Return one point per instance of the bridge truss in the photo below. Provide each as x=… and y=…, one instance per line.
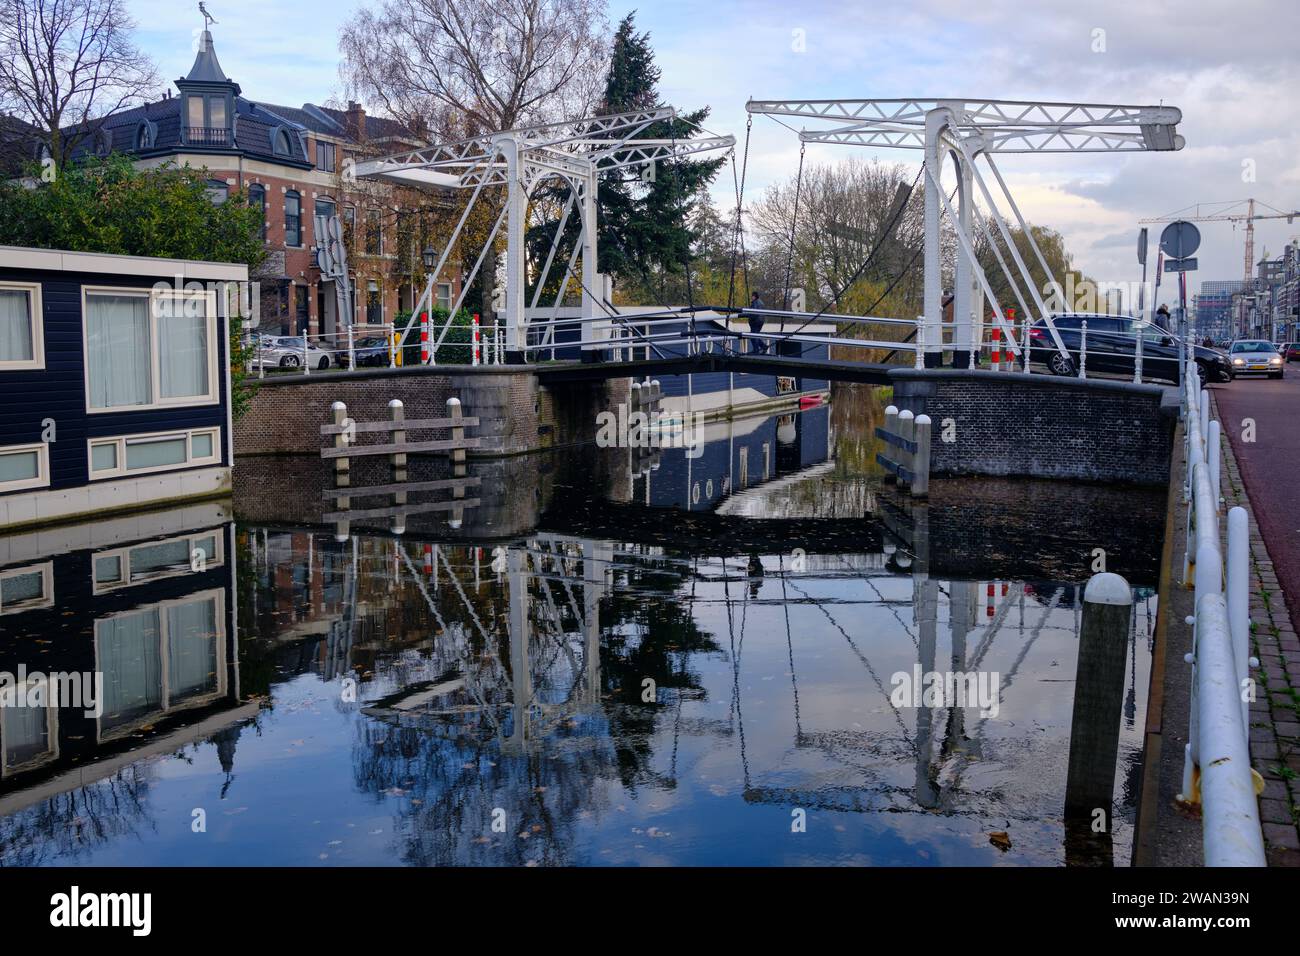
x=966, y=130
x=576, y=152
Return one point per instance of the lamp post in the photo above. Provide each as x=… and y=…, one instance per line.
x=430, y=258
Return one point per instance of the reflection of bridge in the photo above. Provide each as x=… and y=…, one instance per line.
x=527, y=637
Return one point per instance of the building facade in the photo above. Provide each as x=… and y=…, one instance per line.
x=294, y=163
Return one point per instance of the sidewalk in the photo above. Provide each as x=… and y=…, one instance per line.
x=1275, y=714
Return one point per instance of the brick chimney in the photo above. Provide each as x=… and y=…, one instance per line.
x=356, y=114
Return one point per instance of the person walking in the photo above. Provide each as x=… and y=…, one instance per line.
x=756, y=322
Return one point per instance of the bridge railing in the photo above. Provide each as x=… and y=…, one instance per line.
x=1216, y=770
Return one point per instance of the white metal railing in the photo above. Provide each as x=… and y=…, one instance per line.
x=1216, y=769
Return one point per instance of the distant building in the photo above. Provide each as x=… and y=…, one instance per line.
x=1213, y=307
x=293, y=163
x=1270, y=308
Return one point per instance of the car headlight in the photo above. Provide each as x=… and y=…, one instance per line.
x=1238, y=361
x=1276, y=360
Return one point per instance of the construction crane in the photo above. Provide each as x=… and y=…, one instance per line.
x=1229, y=212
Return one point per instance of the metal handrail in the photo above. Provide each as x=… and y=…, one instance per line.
x=1216, y=769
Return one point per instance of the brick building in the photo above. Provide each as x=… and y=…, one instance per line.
x=294, y=164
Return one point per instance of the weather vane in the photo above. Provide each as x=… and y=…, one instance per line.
x=208, y=19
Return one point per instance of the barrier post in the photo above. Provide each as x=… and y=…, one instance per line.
x=921, y=462
x=1083, y=349
x=424, y=338
x=1137, y=351
x=397, y=413
x=920, y=341
x=906, y=431
x=457, y=432
x=475, y=348
x=342, y=467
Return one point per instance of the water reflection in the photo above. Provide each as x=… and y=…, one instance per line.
x=683, y=681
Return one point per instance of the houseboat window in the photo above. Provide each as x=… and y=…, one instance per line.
x=26, y=588
x=108, y=569
x=124, y=454
x=183, y=349
x=142, y=356
x=20, y=332
x=103, y=457
x=24, y=466
x=155, y=452
x=191, y=650
x=201, y=445
x=119, y=349
x=292, y=219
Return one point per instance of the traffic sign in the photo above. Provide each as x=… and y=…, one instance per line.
x=1142, y=247
x=1180, y=239
x=1180, y=265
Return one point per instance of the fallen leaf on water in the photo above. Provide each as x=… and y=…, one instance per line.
x=1001, y=840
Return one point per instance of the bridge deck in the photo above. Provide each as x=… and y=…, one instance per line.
x=550, y=373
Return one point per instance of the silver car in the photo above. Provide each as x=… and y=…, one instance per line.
x=285, y=351
x=1255, y=357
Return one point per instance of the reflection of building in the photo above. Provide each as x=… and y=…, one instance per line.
x=114, y=382
x=143, y=604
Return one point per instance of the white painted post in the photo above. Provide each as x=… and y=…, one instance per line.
x=920, y=342
x=352, y=348
x=891, y=428
x=1083, y=349
x=1238, y=600
x=1024, y=354
x=457, y=435
x=342, y=467
x=921, y=464
x=305, y=363
x=1214, y=456
x=1137, y=351
x=392, y=350
x=906, y=431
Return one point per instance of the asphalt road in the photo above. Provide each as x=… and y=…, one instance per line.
x=1270, y=466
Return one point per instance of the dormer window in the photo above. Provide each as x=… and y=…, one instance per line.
x=103, y=143
x=283, y=145
x=144, y=136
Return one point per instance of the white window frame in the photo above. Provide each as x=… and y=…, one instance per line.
x=46, y=599
x=221, y=637
x=37, y=361
x=42, y=479
x=121, y=441
x=183, y=297
x=216, y=560
x=51, y=753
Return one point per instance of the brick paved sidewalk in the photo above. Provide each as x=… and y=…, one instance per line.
x=1275, y=714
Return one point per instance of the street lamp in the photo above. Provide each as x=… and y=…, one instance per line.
x=430, y=257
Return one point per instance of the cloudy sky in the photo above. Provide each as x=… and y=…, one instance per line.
x=1232, y=68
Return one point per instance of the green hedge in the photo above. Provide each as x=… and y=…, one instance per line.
x=455, y=348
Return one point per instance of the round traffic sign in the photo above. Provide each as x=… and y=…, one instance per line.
x=1180, y=239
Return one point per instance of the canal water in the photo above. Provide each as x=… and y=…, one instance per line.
x=707, y=655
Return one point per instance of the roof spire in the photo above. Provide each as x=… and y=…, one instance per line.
x=206, y=68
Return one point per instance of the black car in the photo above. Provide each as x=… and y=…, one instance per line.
x=1112, y=347
x=370, y=351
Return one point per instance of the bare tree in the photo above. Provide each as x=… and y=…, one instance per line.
x=65, y=63
x=464, y=67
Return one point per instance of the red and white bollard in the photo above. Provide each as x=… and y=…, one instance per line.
x=996, y=358
x=424, y=338
x=478, y=342
x=428, y=559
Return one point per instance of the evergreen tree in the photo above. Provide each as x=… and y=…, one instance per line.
x=645, y=233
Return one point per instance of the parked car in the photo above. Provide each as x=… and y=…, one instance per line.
x=285, y=351
x=1291, y=351
x=372, y=350
x=1256, y=357
x=1112, y=347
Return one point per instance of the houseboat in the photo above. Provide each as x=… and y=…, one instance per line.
x=114, y=382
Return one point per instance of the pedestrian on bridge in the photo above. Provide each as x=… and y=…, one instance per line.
x=756, y=322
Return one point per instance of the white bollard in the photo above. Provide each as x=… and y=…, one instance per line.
x=1238, y=598
x=1214, y=457
x=906, y=431
x=921, y=463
